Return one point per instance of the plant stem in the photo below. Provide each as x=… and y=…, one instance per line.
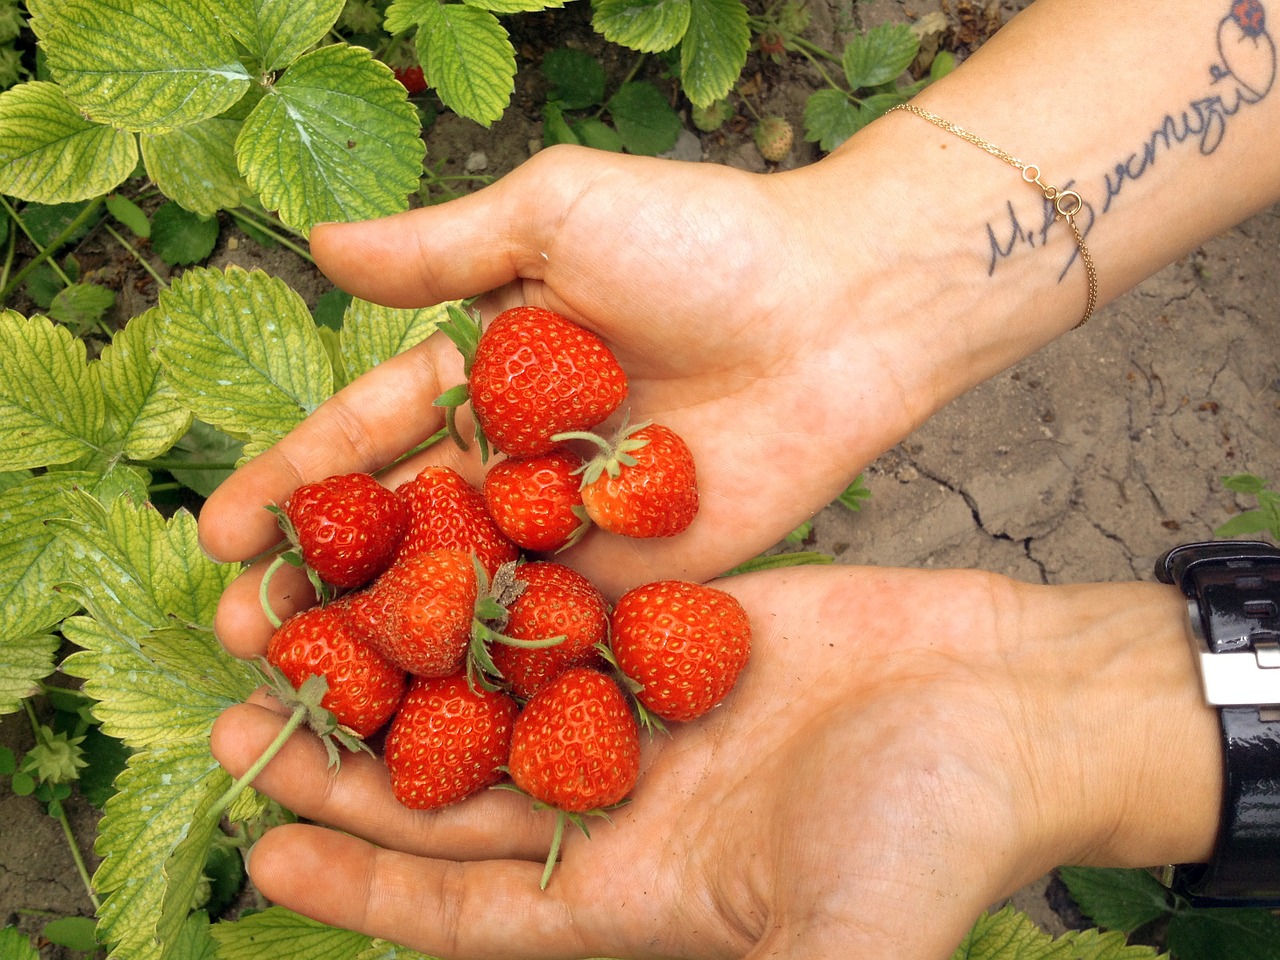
x=295, y=720
x=45, y=253
x=133, y=252
x=256, y=219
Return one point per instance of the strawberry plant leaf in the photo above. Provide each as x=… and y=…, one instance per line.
x=277, y=932
x=143, y=66
x=831, y=118
x=129, y=214
x=713, y=50
x=16, y=945
x=24, y=662
x=51, y=405
x=879, y=55
x=81, y=305
x=334, y=139
x=1114, y=898
x=405, y=15
x=161, y=792
x=468, y=59
x=195, y=165
x=277, y=32
x=648, y=26
x=203, y=444
x=74, y=933
x=1225, y=934
x=49, y=153
x=645, y=121
x=180, y=237
x=595, y=133
x=515, y=6
x=1011, y=935
x=242, y=352
x=371, y=333
x=577, y=78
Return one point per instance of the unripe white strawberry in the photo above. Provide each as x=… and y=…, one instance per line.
x=712, y=118
x=773, y=136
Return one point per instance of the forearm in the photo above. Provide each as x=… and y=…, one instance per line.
x=1163, y=117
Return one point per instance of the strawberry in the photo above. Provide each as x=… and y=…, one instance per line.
x=553, y=601
x=447, y=512
x=447, y=741
x=532, y=374
x=684, y=643
x=535, y=500
x=643, y=484
x=346, y=528
x=364, y=688
x=575, y=748
x=411, y=78
x=774, y=136
x=419, y=613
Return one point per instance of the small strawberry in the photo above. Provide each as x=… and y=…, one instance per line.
x=448, y=513
x=552, y=601
x=685, y=644
x=643, y=484
x=575, y=749
x=711, y=118
x=532, y=374
x=447, y=741
x=411, y=78
x=419, y=613
x=535, y=500
x=774, y=136
x=364, y=688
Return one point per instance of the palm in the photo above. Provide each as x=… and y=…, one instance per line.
x=840, y=802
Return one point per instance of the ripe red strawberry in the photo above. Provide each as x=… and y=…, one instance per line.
x=447, y=741
x=533, y=374
x=685, y=643
x=364, y=687
x=446, y=512
x=346, y=527
x=643, y=484
x=535, y=500
x=555, y=602
x=576, y=749
x=419, y=613
x=411, y=78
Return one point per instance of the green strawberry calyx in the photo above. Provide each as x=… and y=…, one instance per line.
x=490, y=619
x=463, y=328
x=649, y=721
x=612, y=455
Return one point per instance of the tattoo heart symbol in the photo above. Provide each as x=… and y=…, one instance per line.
x=1247, y=50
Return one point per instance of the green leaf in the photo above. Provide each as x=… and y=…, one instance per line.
x=1245, y=483
x=468, y=59
x=830, y=118
x=879, y=55
x=515, y=6
x=555, y=128
x=649, y=26
x=161, y=793
x=597, y=134
x=141, y=66
x=144, y=417
x=129, y=214
x=1010, y=935
x=16, y=945
x=1249, y=522
x=196, y=165
x=47, y=223
x=74, y=933
x=1225, y=934
x=372, y=333
x=81, y=305
x=646, y=122
x=194, y=941
x=135, y=571
x=405, y=15
x=713, y=49
x=276, y=932
x=32, y=564
x=180, y=237
x=24, y=662
x=335, y=139
x=856, y=494
x=1116, y=899
x=204, y=444
x=49, y=153
x=576, y=78
x=51, y=405
x=242, y=351
x=277, y=32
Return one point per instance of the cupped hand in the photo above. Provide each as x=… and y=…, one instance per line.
x=752, y=314
x=903, y=749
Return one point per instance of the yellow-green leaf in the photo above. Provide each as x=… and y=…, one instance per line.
x=645, y=25
x=144, y=418
x=195, y=166
x=335, y=139
x=24, y=662
x=51, y=405
x=242, y=351
x=714, y=49
x=277, y=932
x=372, y=333
x=49, y=153
x=141, y=64
x=468, y=58
x=276, y=32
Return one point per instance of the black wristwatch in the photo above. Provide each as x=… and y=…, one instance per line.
x=1233, y=600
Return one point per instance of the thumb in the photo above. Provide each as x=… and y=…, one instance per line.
x=461, y=248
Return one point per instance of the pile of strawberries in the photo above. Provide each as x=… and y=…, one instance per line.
x=444, y=622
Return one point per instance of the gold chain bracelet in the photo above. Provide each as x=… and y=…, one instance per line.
x=1067, y=204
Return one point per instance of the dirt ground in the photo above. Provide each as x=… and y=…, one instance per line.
x=1084, y=462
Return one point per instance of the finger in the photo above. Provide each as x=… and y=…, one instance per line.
x=361, y=428
x=240, y=623
x=358, y=798
x=474, y=910
x=459, y=249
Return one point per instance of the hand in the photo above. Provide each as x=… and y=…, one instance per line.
x=903, y=749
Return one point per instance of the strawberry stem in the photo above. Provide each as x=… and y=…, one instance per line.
x=295, y=720
x=263, y=591
x=556, y=839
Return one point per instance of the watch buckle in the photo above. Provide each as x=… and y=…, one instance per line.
x=1246, y=677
